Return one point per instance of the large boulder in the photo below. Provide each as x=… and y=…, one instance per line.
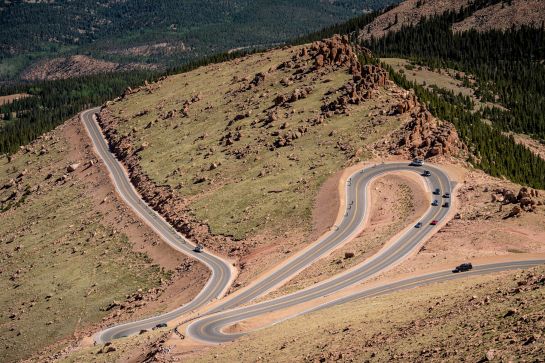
x=73, y=167
x=515, y=212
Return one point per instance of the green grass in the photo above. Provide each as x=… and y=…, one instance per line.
x=454, y=321
x=53, y=243
x=237, y=201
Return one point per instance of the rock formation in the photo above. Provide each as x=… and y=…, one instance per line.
x=526, y=200
x=423, y=136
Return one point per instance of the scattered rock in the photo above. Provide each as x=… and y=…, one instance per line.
x=510, y=312
x=200, y=179
x=72, y=167
x=107, y=348
x=490, y=355
x=515, y=212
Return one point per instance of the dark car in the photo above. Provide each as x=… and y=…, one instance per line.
x=435, y=203
x=446, y=195
x=160, y=325
x=437, y=191
x=463, y=267
x=418, y=225
x=446, y=204
x=426, y=173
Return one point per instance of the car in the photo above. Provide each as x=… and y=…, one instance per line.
x=446, y=195
x=434, y=222
x=466, y=266
x=446, y=204
x=437, y=191
x=435, y=203
x=417, y=162
x=426, y=173
x=418, y=225
x=198, y=248
x=160, y=325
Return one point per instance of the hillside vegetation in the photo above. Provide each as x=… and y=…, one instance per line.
x=501, y=67
x=56, y=100
x=60, y=253
x=156, y=33
x=234, y=154
x=478, y=319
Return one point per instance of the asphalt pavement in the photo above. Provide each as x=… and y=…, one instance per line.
x=210, y=328
x=222, y=271
x=351, y=225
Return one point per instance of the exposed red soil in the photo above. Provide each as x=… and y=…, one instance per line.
x=74, y=66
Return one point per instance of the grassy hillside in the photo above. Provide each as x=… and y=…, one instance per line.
x=60, y=257
x=479, y=319
x=165, y=32
x=271, y=186
x=239, y=155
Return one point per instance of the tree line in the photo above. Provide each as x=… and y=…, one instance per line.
x=52, y=102
x=508, y=68
x=492, y=151
x=507, y=65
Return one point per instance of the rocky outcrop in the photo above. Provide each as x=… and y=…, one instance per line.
x=526, y=200
x=366, y=79
x=325, y=56
x=72, y=167
x=423, y=136
x=336, y=51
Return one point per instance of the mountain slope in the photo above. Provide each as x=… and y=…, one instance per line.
x=163, y=33
x=72, y=256
x=491, y=14
x=229, y=152
x=479, y=319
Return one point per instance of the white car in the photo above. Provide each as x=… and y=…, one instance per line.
x=417, y=162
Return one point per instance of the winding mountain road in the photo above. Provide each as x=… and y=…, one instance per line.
x=222, y=270
x=209, y=327
x=352, y=224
